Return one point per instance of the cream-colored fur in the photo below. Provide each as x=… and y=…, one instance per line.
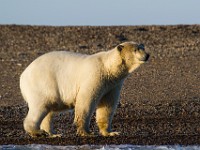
x=61, y=80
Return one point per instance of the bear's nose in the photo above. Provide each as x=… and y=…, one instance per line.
x=146, y=57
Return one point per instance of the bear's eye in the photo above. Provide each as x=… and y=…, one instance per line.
x=141, y=46
x=136, y=49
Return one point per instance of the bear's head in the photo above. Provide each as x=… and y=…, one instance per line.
x=133, y=55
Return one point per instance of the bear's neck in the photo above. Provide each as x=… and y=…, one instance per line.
x=116, y=69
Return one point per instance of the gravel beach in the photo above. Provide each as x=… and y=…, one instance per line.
x=160, y=102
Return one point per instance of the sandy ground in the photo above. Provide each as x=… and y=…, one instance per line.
x=160, y=102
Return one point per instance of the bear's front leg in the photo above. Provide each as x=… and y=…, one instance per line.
x=82, y=127
x=84, y=108
x=105, y=112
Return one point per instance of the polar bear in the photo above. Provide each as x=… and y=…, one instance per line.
x=61, y=80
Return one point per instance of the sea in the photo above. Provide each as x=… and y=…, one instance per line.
x=99, y=147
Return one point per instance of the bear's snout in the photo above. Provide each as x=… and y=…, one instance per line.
x=146, y=58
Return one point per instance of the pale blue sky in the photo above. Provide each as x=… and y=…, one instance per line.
x=99, y=12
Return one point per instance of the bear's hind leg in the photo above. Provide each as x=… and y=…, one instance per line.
x=47, y=125
x=33, y=120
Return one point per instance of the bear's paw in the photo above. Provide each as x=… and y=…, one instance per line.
x=110, y=133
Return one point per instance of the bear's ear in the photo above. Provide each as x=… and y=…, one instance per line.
x=120, y=47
